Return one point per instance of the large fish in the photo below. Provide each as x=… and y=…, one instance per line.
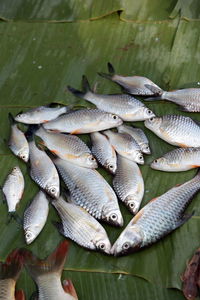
x=35, y=217
x=139, y=136
x=125, y=106
x=125, y=145
x=84, y=121
x=17, y=141
x=103, y=151
x=79, y=226
x=177, y=130
x=177, y=160
x=68, y=147
x=47, y=274
x=91, y=191
x=128, y=183
x=13, y=188
x=41, y=114
x=159, y=217
x=135, y=85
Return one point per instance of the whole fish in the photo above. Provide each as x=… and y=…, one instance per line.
x=135, y=85
x=17, y=142
x=68, y=147
x=84, y=121
x=138, y=135
x=188, y=99
x=41, y=114
x=103, y=151
x=35, y=217
x=177, y=130
x=9, y=274
x=125, y=145
x=13, y=188
x=158, y=218
x=91, y=191
x=125, y=106
x=177, y=160
x=79, y=226
x=47, y=274
x=128, y=183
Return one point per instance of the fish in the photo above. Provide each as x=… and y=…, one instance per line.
x=177, y=160
x=129, y=184
x=79, y=226
x=138, y=135
x=190, y=277
x=157, y=218
x=84, y=121
x=13, y=188
x=176, y=130
x=17, y=142
x=104, y=152
x=9, y=274
x=125, y=106
x=35, y=217
x=187, y=99
x=134, y=85
x=41, y=114
x=47, y=274
x=125, y=145
x=91, y=191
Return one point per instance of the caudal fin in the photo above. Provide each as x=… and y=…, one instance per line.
x=12, y=267
x=111, y=71
x=155, y=90
x=11, y=119
x=85, y=88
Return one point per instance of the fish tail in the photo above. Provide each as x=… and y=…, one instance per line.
x=11, y=119
x=157, y=98
x=16, y=217
x=111, y=71
x=13, y=265
x=158, y=92
x=31, y=131
x=19, y=295
x=85, y=88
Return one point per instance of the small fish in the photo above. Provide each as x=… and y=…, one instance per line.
x=68, y=147
x=158, y=218
x=104, y=152
x=177, y=130
x=138, y=135
x=47, y=274
x=129, y=184
x=41, y=114
x=13, y=188
x=125, y=106
x=125, y=145
x=35, y=217
x=190, y=277
x=17, y=142
x=91, y=191
x=177, y=160
x=9, y=274
x=81, y=227
x=135, y=85
x=188, y=99
x=84, y=121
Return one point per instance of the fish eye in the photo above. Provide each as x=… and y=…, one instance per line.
x=52, y=190
x=149, y=111
x=126, y=246
x=28, y=235
x=111, y=166
x=102, y=246
x=140, y=157
x=131, y=205
x=92, y=158
x=156, y=161
x=151, y=119
x=114, y=117
x=113, y=217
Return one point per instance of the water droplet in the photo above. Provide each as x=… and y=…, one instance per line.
x=198, y=83
x=156, y=39
x=34, y=61
x=39, y=67
x=34, y=39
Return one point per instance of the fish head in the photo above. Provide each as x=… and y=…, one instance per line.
x=102, y=243
x=129, y=241
x=159, y=163
x=145, y=113
x=111, y=165
x=89, y=161
x=22, y=117
x=132, y=203
x=31, y=234
x=16, y=171
x=153, y=123
x=112, y=216
x=138, y=157
x=112, y=119
x=53, y=190
x=24, y=154
x=145, y=149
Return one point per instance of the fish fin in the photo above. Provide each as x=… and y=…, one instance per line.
x=153, y=89
x=34, y=296
x=197, y=122
x=75, y=92
x=19, y=295
x=111, y=71
x=77, y=131
x=154, y=98
x=59, y=226
x=183, y=220
x=194, y=166
x=154, y=199
x=13, y=265
x=137, y=216
x=16, y=217
x=29, y=134
x=69, y=288
x=85, y=85
x=11, y=119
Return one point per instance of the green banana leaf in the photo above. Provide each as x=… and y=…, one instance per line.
x=45, y=48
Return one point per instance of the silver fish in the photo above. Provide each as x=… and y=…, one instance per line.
x=176, y=130
x=128, y=183
x=103, y=151
x=41, y=114
x=84, y=121
x=177, y=160
x=68, y=147
x=138, y=135
x=125, y=106
x=91, y=191
x=13, y=188
x=35, y=217
x=125, y=145
x=81, y=227
x=43, y=171
x=158, y=218
x=17, y=141
x=135, y=85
